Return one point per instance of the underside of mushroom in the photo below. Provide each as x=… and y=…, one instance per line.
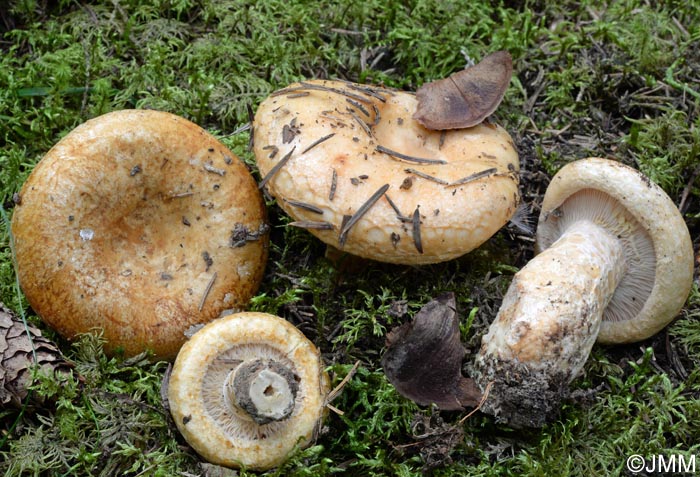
x=264, y=390
x=247, y=390
x=615, y=264
x=547, y=324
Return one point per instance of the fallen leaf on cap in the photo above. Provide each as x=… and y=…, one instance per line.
x=466, y=98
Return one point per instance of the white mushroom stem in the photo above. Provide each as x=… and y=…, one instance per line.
x=262, y=390
x=550, y=318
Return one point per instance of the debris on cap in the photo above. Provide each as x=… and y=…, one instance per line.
x=350, y=164
x=141, y=224
x=464, y=99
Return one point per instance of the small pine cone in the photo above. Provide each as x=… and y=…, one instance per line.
x=17, y=357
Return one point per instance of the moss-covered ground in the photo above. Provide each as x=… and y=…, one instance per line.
x=613, y=79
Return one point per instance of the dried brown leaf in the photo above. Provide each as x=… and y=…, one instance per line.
x=466, y=98
x=423, y=359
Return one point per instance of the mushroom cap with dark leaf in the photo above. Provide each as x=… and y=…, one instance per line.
x=348, y=163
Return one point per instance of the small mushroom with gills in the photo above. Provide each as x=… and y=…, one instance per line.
x=247, y=389
x=615, y=265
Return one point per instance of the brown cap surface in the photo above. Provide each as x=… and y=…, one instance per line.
x=140, y=224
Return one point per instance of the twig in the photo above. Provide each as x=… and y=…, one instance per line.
x=339, y=388
x=359, y=106
x=305, y=206
x=406, y=157
x=481, y=403
x=317, y=142
x=426, y=176
x=206, y=292
x=472, y=177
x=311, y=224
x=360, y=212
x=241, y=129
x=365, y=127
x=368, y=91
x=180, y=195
x=276, y=168
x=317, y=87
x=214, y=170
x=393, y=205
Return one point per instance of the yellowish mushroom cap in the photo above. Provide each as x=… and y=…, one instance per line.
x=197, y=391
x=139, y=224
x=349, y=163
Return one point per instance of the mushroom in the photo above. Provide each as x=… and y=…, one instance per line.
x=349, y=163
x=139, y=224
x=615, y=265
x=247, y=390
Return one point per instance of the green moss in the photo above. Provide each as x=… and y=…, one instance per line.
x=614, y=79
x=686, y=330
x=109, y=422
x=666, y=148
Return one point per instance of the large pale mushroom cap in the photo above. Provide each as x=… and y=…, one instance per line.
x=657, y=246
x=217, y=430
x=349, y=163
x=140, y=224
